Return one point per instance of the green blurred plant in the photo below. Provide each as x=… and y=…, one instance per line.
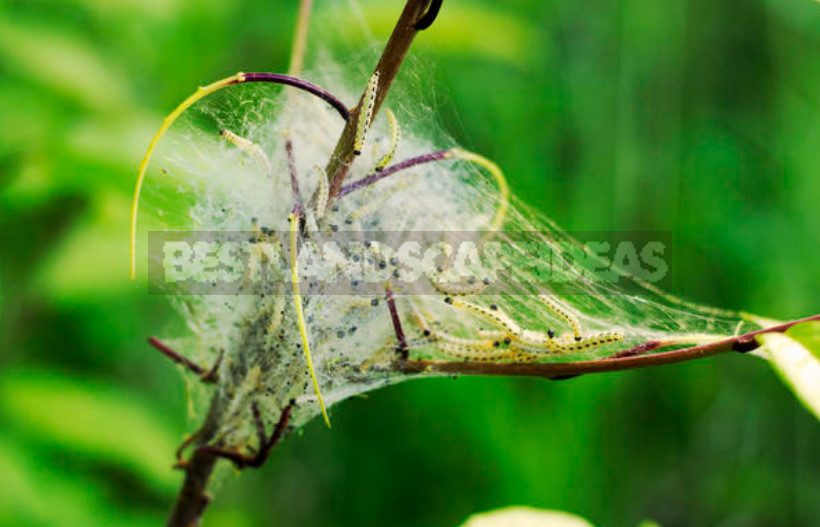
x=209, y=441
x=68, y=156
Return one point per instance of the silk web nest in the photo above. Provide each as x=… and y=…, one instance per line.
x=249, y=159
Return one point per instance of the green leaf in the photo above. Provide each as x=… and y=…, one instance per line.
x=796, y=359
x=96, y=420
x=525, y=517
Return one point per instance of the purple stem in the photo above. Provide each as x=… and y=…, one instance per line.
x=394, y=316
x=311, y=88
x=408, y=163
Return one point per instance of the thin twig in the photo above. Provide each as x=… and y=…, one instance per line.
x=276, y=78
x=209, y=375
x=212, y=374
x=176, y=357
x=392, y=169
x=627, y=360
x=402, y=350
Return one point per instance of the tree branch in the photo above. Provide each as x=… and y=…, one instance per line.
x=388, y=66
x=630, y=359
x=193, y=497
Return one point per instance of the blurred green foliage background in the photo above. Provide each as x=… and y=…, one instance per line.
x=697, y=117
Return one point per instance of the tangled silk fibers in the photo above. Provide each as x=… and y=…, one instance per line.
x=528, y=292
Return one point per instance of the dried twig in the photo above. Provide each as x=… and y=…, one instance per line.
x=209, y=375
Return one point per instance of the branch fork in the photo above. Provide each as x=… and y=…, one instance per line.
x=266, y=444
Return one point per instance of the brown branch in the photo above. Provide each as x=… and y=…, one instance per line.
x=193, y=497
x=630, y=359
x=388, y=66
x=174, y=356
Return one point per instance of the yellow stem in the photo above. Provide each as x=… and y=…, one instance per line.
x=297, y=53
x=300, y=315
x=202, y=91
